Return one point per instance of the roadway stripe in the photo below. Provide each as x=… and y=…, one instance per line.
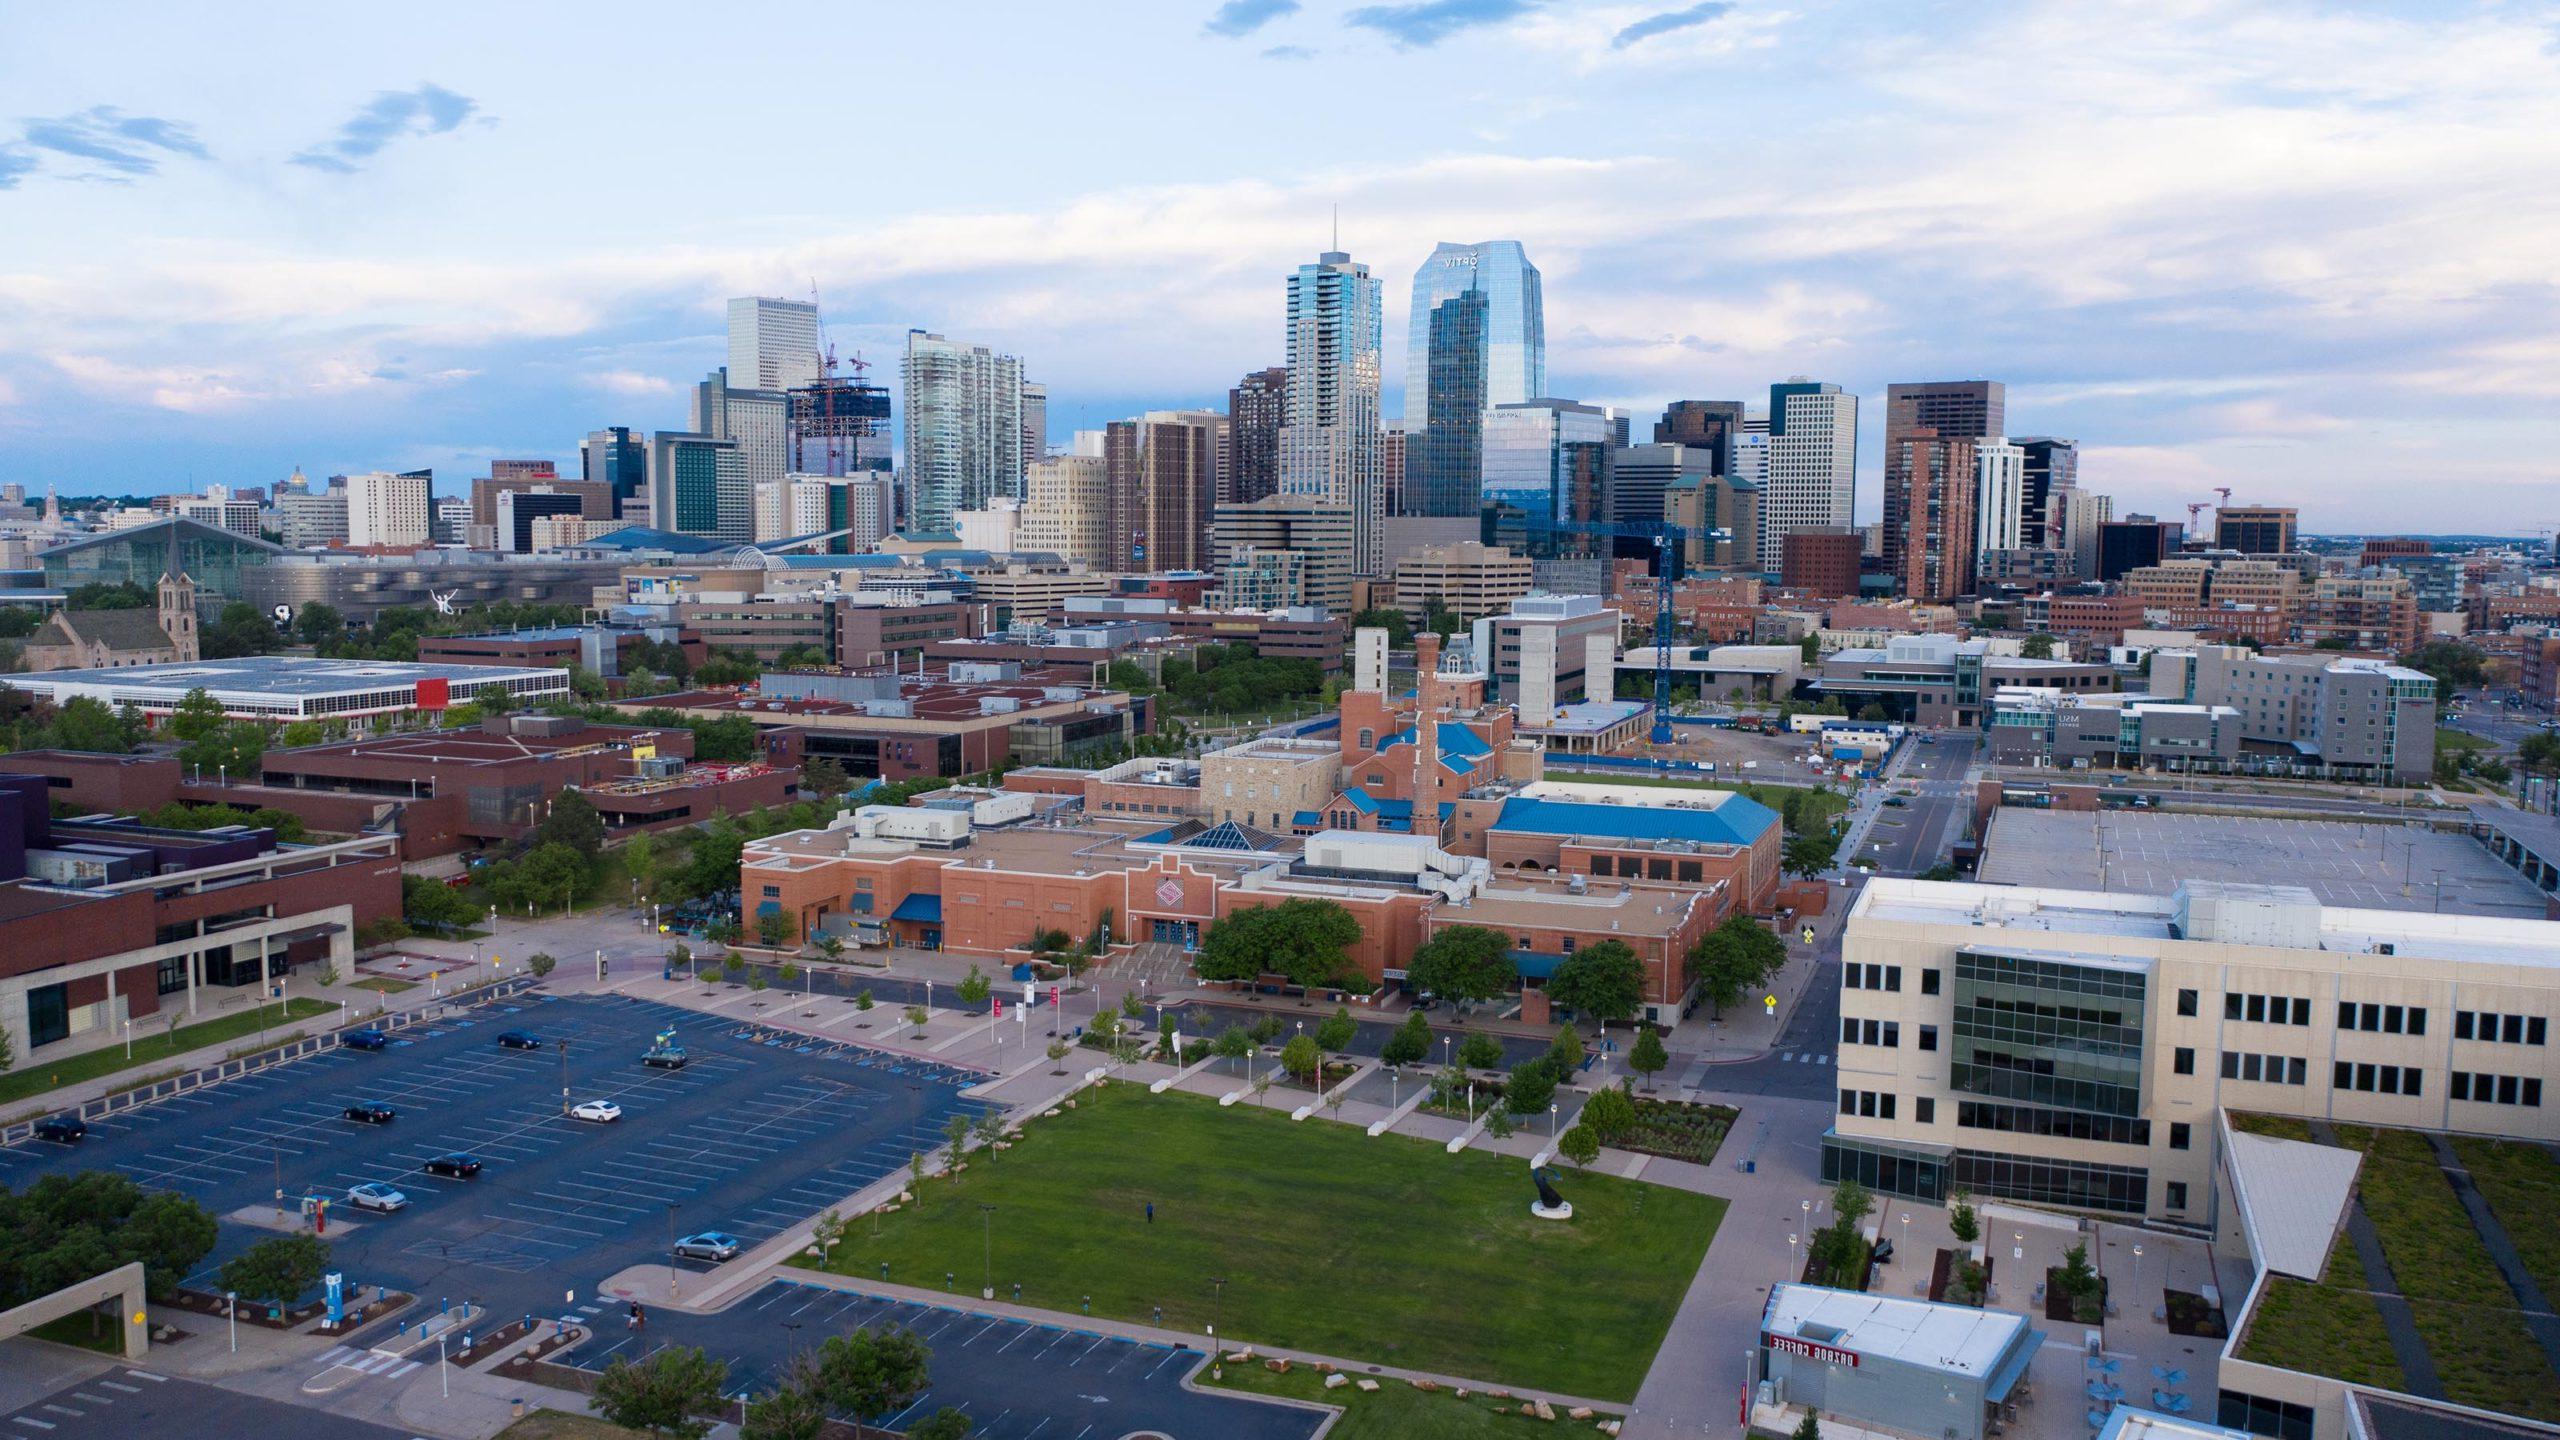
x=31, y=1420
x=128, y=1389
x=147, y=1375
x=405, y=1369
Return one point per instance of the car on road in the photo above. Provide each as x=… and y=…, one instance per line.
x=665, y=1057
x=709, y=1245
x=374, y=1195
x=1895, y=801
x=62, y=1129
x=456, y=1166
x=365, y=1039
x=519, y=1040
x=371, y=1112
x=600, y=1111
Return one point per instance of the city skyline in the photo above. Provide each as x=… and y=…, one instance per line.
x=320, y=282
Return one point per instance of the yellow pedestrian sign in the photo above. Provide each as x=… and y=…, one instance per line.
x=1771, y=1001
x=1807, y=933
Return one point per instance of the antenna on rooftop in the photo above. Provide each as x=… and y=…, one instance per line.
x=1336, y=246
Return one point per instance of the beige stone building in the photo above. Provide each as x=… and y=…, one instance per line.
x=1268, y=784
x=107, y=639
x=1470, y=580
x=1066, y=511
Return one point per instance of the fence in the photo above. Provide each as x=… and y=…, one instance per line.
x=18, y=1131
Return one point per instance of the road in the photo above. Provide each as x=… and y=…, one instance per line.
x=1908, y=839
x=128, y=1402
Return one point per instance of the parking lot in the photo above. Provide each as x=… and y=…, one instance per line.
x=757, y=1132
x=1017, y=1379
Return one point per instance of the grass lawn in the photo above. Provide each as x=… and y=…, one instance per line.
x=151, y=1047
x=87, y=1330
x=1394, y=1411
x=2459, y=741
x=2521, y=1182
x=382, y=984
x=1387, y=1251
x=2322, y=1330
x=2274, y=1127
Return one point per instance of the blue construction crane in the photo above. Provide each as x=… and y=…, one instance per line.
x=1669, y=544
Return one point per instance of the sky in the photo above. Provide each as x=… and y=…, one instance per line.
x=2302, y=250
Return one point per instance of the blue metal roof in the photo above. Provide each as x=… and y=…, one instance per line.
x=1306, y=817
x=1740, y=820
x=1534, y=966
x=1455, y=740
x=927, y=908
x=1360, y=800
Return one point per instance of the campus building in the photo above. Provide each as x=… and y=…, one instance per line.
x=2075, y=1048
x=900, y=726
x=288, y=688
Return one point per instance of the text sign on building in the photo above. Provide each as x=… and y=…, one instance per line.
x=1790, y=1345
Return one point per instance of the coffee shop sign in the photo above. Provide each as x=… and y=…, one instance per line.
x=1828, y=1355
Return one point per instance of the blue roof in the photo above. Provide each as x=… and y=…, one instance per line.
x=1306, y=817
x=919, y=907
x=1534, y=966
x=1455, y=740
x=1740, y=820
x=1360, y=800
x=824, y=561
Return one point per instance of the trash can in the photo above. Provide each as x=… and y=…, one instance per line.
x=1750, y=1167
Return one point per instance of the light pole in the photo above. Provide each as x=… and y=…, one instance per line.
x=564, y=1077
x=128, y=1037
x=1217, y=1312
x=1792, y=1271
x=231, y=1303
x=987, y=1213
x=1552, y=1112
x=671, y=1252
x=2137, y=1276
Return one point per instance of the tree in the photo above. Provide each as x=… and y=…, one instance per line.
x=86, y=724
x=1399, y=629
x=196, y=716
x=871, y=1373
x=540, y=963
x=233, y=750
x=666, y=1394
x=943, y=1424
x=548, y=875
x=2079, y=1279
x=2536, y=754
x=725, y=667
x=791, y=1412
x=109, y=595
x=955, y=1137
x=1809, y=1428
x=1608, y=1115
x=433, y=905
x=773, y=929
x=319, y=621
x=1962, y=1221
x=572, y=821
x=713, y=867
x=1463, y=964
x=1233, y=1043
x=1531, y=1088
x=1565, y=1054
x=1480, y=1052
x=1306, y=940
x=2455, y=666
x=2038, y=646
x=1579, y=1145
x=1735, y=958
x=1604, y=981
x=238, y=628
x=299, y=734
x=801, y=657
x=277, y=1271
x=1647, y=1057
x=1338, y=1030
x=1851, y=1203
x=975, y=986
x=823, y=777
x=1409, y=1042
x=1810, y=852
x=1300, y=1057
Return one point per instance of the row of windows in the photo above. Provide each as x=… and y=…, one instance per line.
x=2386, y=1019
x=1872, y=977
x=1867, y=1104
x=2497, y=1089
x=2267, y=1009
x=1887, y=1033
x=2073, y=1184
x=2502, y=1029
x=2064, y=1124
x=1633, y=867
x=2377, y=1079
x=2269, y=1069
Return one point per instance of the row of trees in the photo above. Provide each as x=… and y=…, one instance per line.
x=67, y=1228
x=867, y=1374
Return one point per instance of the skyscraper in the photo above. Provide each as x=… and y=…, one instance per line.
x=387, y=509
x=839, y=427
x=1707, y=425
x=773, y=344
x=964, y=428
x=2000, y=495
x=1477, y=339
x=1035, y=422
x=1330, y=448
x=697, y=486
x=615, y=458
x=1931, y=485
x=1162, y=486
x=1940, y=410
x=1256, y=409
x=1813, y=462
x=759, y=423
x=2050, y=465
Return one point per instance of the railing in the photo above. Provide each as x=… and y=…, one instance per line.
x=19, y=1131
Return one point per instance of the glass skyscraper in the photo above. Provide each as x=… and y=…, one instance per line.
x=1331, y=446
x=1478, y=339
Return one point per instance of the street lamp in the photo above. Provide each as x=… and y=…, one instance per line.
x=1551, y=1122
x=671, y=1252
x=1792, y=1271
x=987, y=1214
x=2137, y=1276
x=564, y=1077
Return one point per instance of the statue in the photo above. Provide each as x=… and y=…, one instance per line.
x=1550, y=1206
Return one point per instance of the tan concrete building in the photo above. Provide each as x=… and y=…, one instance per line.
x=1470, y=580
x=1066, y=512
x=1318, y=531
x=1271, y=784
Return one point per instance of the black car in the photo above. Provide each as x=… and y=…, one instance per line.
x=457, y=1165
x=665, y=1057
x=365, y=1040
x=62, y=1129
x=371, y=1112
x=519, y=1040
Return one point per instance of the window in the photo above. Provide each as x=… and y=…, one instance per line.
x=2187, y=1003
x=2376, y=1079
x=2493, y=1028
x=2181, y=1134
x=2177, y=1194
x=2267, y=1009
x=2184, y=1061
x=1928, y=982
x=1872, y=977
x=1885, y=1033
x=1924, y=1109
x=2279, y=1418
x=1928, y=1037
x=1866, y=1104
x=2059, y=1124
x=2385, y=1019
x=2482, y=1089
x=2264, y=1069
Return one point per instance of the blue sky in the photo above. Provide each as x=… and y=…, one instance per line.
x=2305, y=251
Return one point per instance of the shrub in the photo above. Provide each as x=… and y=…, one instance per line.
x=1609, y=1115
x=1531, y=1087
x=1579, y=1145
x=1480, y=1052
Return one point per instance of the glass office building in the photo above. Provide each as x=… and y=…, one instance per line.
x=1477, y=339
x=1546, y=471
x=216, y=559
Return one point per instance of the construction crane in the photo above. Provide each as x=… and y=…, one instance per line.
x=1669, y=552
x=2194, y=509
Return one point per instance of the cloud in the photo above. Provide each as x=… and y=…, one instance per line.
x=631, y=382
x=1242, y=17
x=1668, y=21
x=390, y=115
x=1288, y=52
x=128, y=146
x=1419, y=26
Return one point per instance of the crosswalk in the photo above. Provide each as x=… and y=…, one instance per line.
x=79, y=1403
x=370, y=1362
x=1804, y=1057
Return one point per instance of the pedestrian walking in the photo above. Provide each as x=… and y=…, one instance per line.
x=1151, y=1212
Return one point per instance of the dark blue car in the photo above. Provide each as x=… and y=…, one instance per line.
x=365, y=1040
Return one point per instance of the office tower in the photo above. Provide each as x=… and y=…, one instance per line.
x=2000, y=492
x=1256, y=409
x=854, y=510
x=1821, y=562
x=1329, y=447
x=1705, y=425
x=773, y=344
x=1718, y=515
x=1641, y=476
x=450, y=526
x=616, y=459
x=1066, y=509
x=385, y=509
x=316, y=519
x=1546, y=465
x=1813, y=462
x=839, y=426
x=516, y=510
x=2255, y=529
x=1314, y=528
x=1035, y=421
x=2132, y=543
x=1930, y=533
x=758, y=422
x=485, y=527
x=964, y=429
x=1392, y=458
x=697, y=486
x=1477, y=338
x=1162, y=488
x=1943, y=410
x=2051, y=465
x=2072, y=519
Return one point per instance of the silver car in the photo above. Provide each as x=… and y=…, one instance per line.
x=374, y=1195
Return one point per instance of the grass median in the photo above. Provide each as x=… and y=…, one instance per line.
x=152, y=1046
x=1387, y=1251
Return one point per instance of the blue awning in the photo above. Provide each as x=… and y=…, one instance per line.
x=2013, y=1367
x=1534, y=966
x=927, y=908
x=1306, y=817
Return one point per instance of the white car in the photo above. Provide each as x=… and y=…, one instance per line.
x=374, y=1195
x=600, y=1111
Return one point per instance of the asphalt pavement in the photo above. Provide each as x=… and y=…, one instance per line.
x=126, y=1402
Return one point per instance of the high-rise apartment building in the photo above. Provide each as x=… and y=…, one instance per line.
x=697, y=486
x=773, y=344
x=1162, y=473
x=387, y=509
x=1477, y=339
x=2051, y=465
x=758, y=422
x=1035, y=422
x=964, y=428
x=1066, y=509
x=1813, y=462
x=1256, y=409
x=2255, y=529
x=1970, y=410
x=2072, y=518
x=617, y=459
x=2000, y=495
x=1931, y=484
x=1330, y=448
x=1707, y=425
x=1316, y=529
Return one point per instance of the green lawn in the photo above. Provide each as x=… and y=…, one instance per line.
x=151, y=1047
x=2322, y=1330
x=1386, y=1251
x=2451, y=740
x=1394, y=1411
x=2521, y=1182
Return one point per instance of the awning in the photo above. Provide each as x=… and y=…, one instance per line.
x=300, y=933
x=927, y=908
x=2013, y=1369
x=1533, y=966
